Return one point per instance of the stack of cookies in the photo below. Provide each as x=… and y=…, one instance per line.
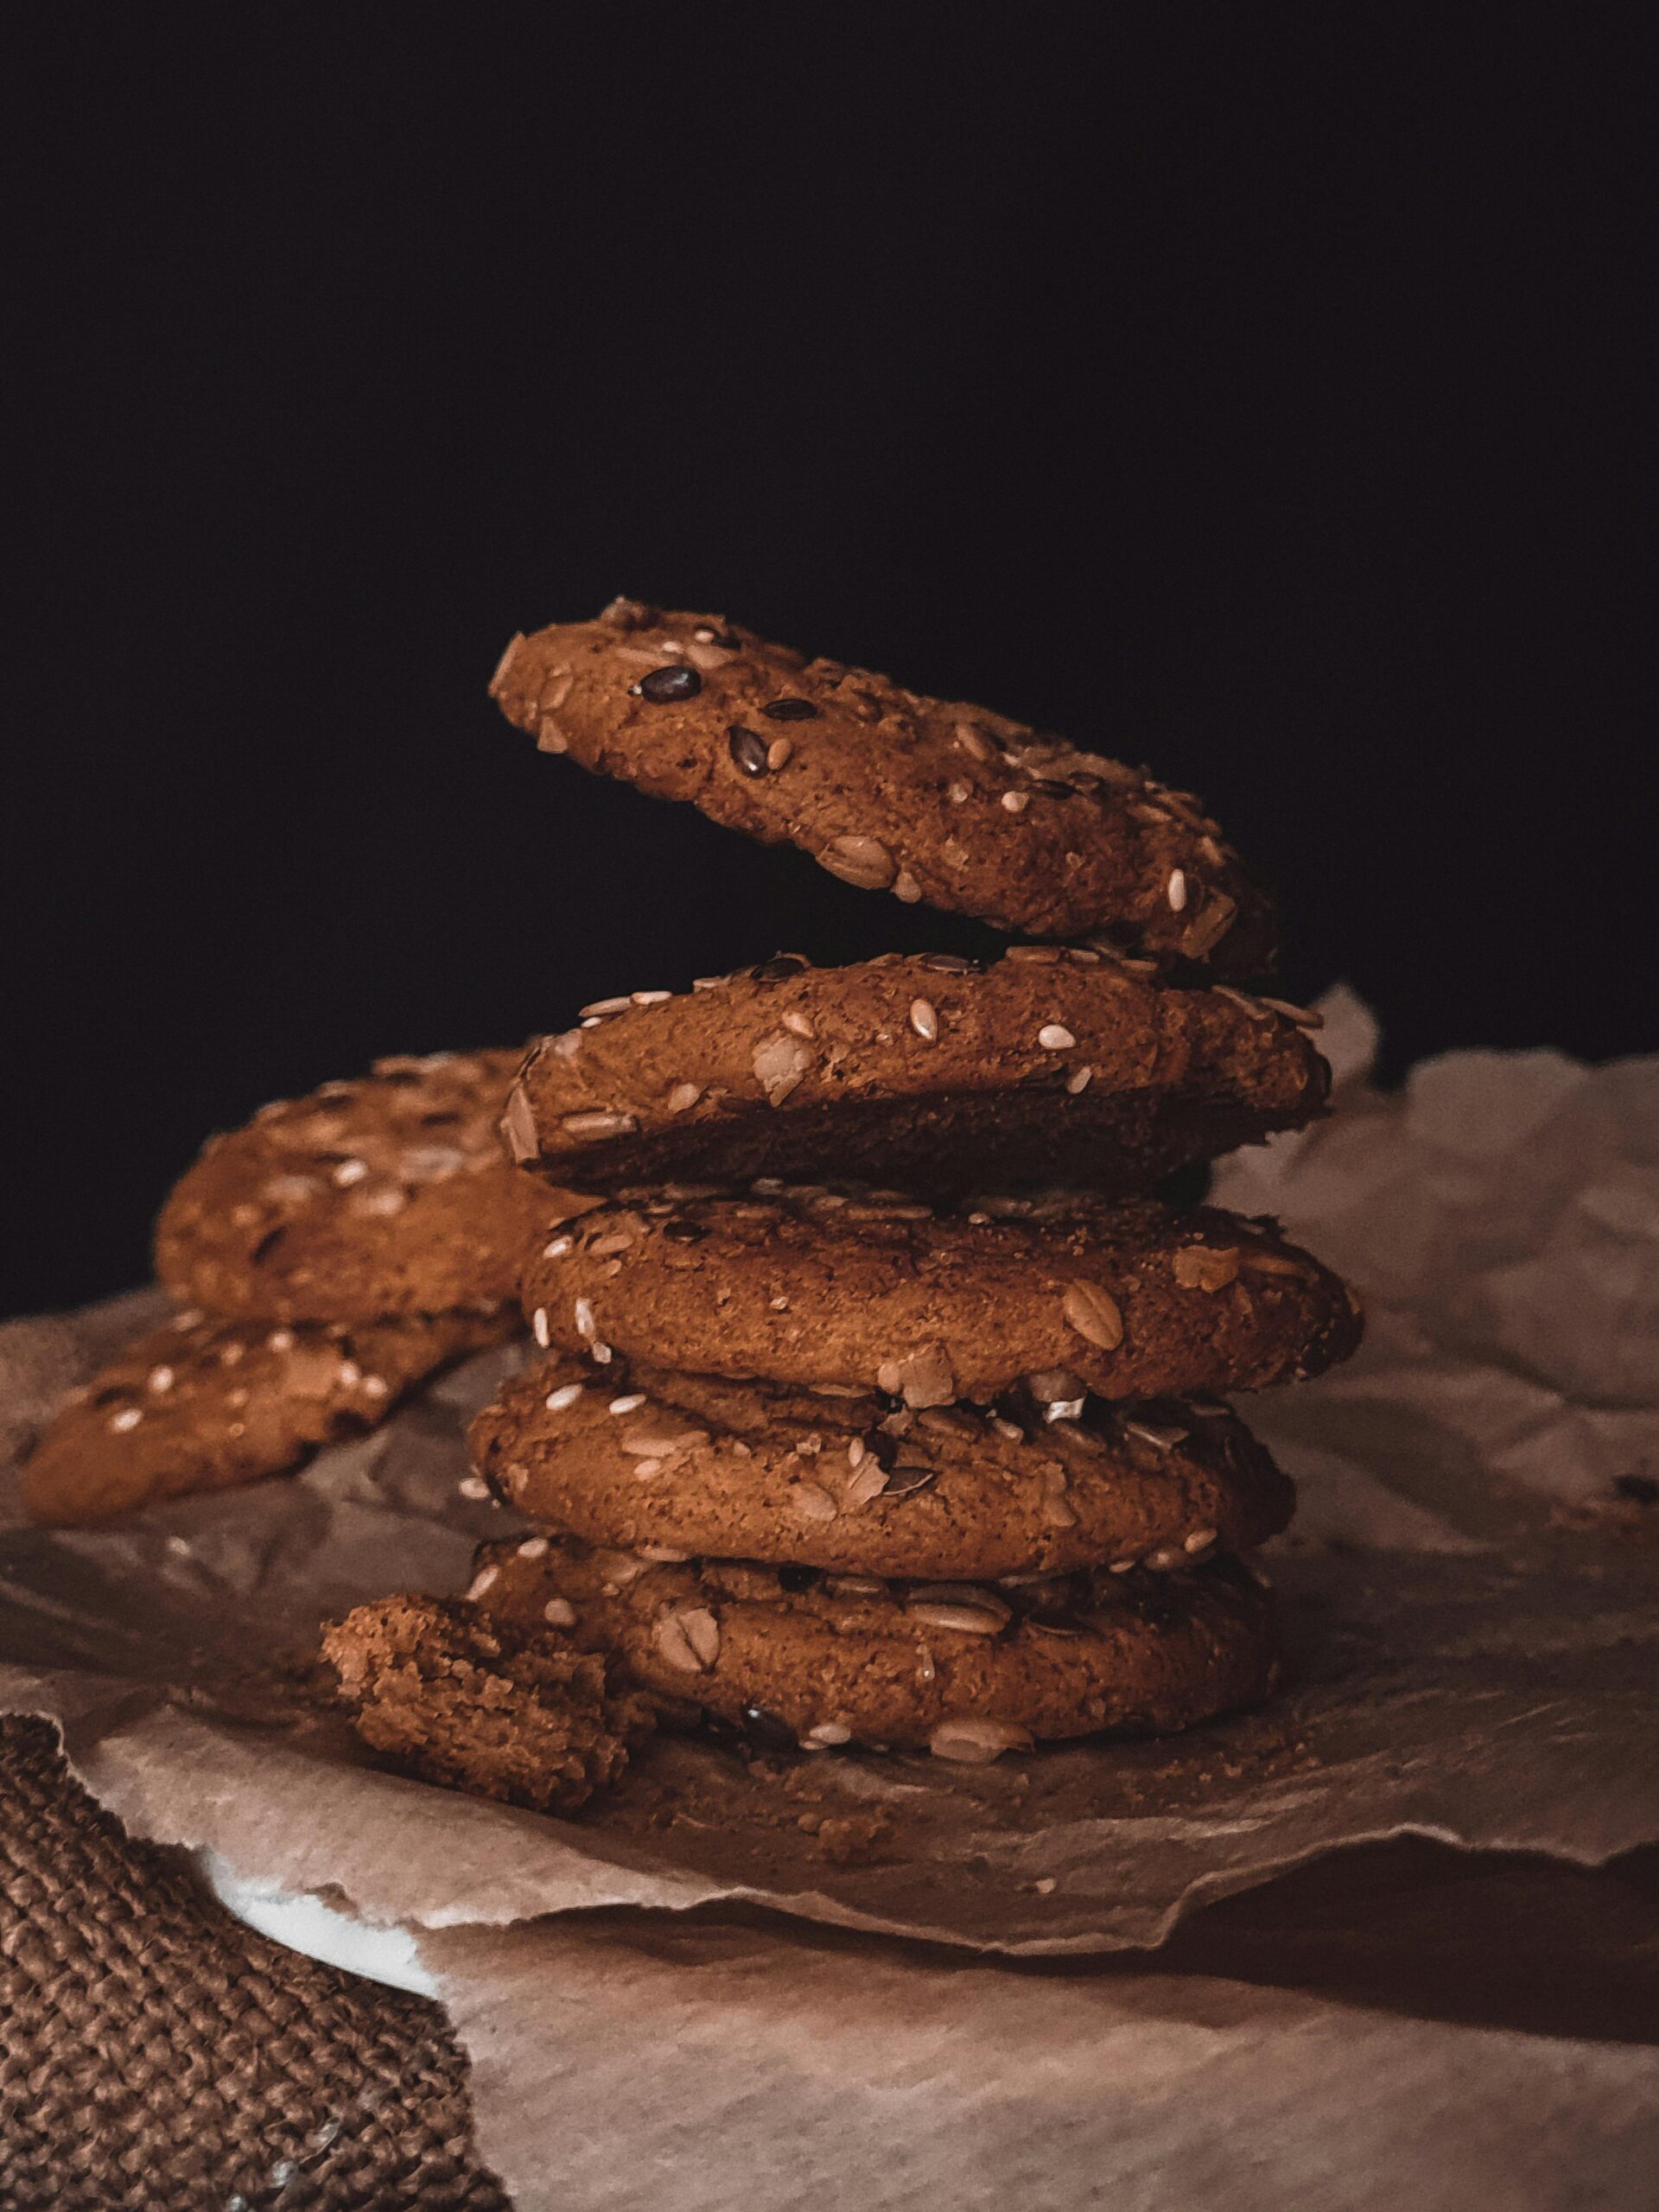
x=881, y=1401
x=330, y=1256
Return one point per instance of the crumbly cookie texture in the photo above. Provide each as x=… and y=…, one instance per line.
x=889, y=790
x=875, y=1291
x=727, y=1469
x=387, y=1195
x=481, y=1705
x=1050, y=1065
x=967, y=1670
x=205, y=1405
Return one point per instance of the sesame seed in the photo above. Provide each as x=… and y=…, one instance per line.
x=558, y=1247
x=566, y=1395
x=799, y=1024
x=1015, y=802
x=162, y=1379
x=584, y=1318
x=925, y=1021
x=1055, y=1037
x=972, y=742
x=376, y=1385
x=628, y=1404
x=539, y=1329
x=487, y=1580
x=1199, y=1540
x=650, y=998
x=350, y=1373
x=600, y=1008
x=129, y=1417
x=559, y=1612
x=1079, y=1079
x=1175, y=889
x=473, y=1486
x=779, y=753
x=683, y=1095
x=904, y=886
x=350, y=1171
x=827, y=1733
x=959, y=794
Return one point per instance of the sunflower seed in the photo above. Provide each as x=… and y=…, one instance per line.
x=683, y=1095
x=925, y=1021
x=1199, y=1540
x=1175, y=889
x=748, y=748
x=1094, y=1314
x=972, y=1742
x=862, y=861
x=565, y=1395
x=1079, y=1079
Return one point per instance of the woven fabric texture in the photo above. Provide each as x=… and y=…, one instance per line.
x=155, y=2056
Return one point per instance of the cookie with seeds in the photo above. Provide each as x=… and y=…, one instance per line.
x=967, y=1670
x=889, y=790
x=755, y=1471
x=1050, y=1066
x=477, y=1705
x=388, y=1195
x=204, y=1405
x=865, y=1290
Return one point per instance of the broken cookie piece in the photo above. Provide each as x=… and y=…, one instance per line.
x=478, y=1705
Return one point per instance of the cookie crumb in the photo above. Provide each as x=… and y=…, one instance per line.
x=474, y=1705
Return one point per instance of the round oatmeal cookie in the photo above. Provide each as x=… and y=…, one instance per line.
x=863, y=1290
x=967, y=1670
x=388, y=1195
x=870, y=1485
x=203, y=1405
x=1051, y=1065
x=924, y=798
x=476, y=1705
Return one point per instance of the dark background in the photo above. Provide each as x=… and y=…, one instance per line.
x=1245, y=390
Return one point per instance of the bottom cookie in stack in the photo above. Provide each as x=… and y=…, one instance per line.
x=792, y=1655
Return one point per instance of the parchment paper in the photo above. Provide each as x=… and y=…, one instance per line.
x=1471, y=1592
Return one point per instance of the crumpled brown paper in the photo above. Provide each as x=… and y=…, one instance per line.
x=1470, y=1589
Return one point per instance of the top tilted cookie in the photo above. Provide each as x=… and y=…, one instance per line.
x=928, y=799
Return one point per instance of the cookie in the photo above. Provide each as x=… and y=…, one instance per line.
x=387, y=1195
x=889, y=790
x=930, y=1072
x=868, y=1290
x=202, y=1405
x=966, y=1670
x=475, y=1705
x=754, y=1470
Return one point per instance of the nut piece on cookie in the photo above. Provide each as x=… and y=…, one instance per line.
x=204, y=1405
x=931, y=1072
x=483, y=1706
x=388, y=1194
x=928, y=799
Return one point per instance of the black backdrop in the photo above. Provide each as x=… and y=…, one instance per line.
x=1243, y=390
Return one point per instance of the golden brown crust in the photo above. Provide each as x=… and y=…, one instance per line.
x=388, y=1195
x=872, y=1291
x=966, y=1671
x=201, y=1405
x=932, y=799
x=475, y=1705
x=750, y=1470
x=925, y=1071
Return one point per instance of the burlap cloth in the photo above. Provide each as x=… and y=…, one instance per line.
x=156, y=2053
